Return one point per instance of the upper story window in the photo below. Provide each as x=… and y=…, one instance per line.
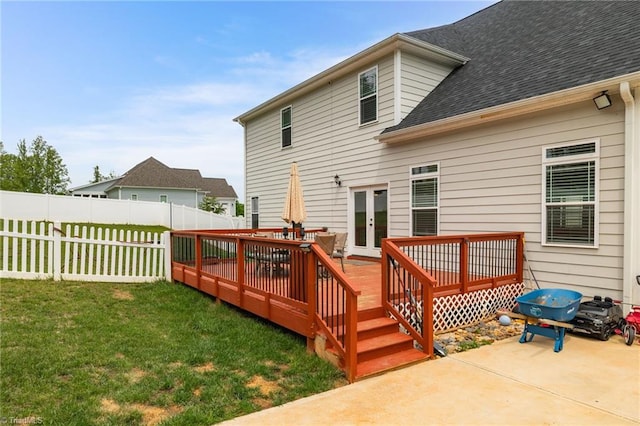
x=570, y=187
x=285, y=125
x=424, y=199
x=134, y=197
x=164, y=198
x=368, y=95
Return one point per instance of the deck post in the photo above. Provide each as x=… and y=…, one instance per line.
x=351, y=339
x=309, y=275
x=198, y=243
x=427, y=320
x=520, y=257
x=464, y=264
x=384, y=267
x=240, y=266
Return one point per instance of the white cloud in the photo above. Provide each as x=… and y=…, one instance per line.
x=185, y=126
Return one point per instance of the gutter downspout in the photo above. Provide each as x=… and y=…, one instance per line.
x=631, y=256
x=244, y=141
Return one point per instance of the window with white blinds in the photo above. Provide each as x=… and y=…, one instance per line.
x=570, y=212
x=424, y=200
x=285, y=125
x=368, y=92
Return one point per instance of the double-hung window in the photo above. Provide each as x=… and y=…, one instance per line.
x=285, y=125
x=570, y=188
x=424, y=199
x=254, y=213
x=368, y=95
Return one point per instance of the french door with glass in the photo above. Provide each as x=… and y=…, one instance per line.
x=368, y=222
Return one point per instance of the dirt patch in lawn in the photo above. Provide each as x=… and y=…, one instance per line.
x=265, y=386
x=204, y=368
x=151, y=415
x=122, y=295
x=135, y=375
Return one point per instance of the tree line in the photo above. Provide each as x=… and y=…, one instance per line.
x=36, y=168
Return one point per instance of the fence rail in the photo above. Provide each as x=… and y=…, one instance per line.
x=38, y=250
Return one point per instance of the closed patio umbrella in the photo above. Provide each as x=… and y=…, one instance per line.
x=294, y=211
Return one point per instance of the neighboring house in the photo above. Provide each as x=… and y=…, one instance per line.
x=151, y=180
x=484, y=125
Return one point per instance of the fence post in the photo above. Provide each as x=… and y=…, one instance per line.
x=57, y=251
x=166, y=239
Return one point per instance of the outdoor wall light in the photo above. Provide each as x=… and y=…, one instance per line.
x=602, y=100
x=305, y=247
x=337, y=180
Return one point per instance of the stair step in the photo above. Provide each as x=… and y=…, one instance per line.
x=390, y=362
x=384, y=345
x=376, y=327
x=371, y=313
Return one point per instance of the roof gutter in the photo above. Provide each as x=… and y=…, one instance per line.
x=356, y=63
x=631, y=252
x=509, y=110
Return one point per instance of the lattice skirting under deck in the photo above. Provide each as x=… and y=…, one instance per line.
x=460, y=310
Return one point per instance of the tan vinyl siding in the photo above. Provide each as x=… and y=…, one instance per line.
x=491, y=177
x=418, y=78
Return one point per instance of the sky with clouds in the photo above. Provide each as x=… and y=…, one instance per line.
x=111, y=84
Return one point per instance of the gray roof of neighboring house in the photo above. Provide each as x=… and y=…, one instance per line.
x=522, y=49
x=154, y=174
x=219, y=187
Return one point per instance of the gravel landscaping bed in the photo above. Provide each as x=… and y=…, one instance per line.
x=474, y=336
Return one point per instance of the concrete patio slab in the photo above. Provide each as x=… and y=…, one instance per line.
x=588, y=382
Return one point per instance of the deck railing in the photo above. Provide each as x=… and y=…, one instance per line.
x=292, y=283
x=442, y=282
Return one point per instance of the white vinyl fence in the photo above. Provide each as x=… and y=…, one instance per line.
x=35, y=250
x=64, y=208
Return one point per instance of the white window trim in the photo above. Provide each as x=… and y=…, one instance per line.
x=413, y=177
x=595, y=156
x=282, y=127
x=164, y=195
x=133, y=197
x=377, y=95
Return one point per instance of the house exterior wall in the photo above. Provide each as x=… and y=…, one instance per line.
x=491, y=181
x=182, y=197
x=490, y=176
x=326, y=140
x=418, y=77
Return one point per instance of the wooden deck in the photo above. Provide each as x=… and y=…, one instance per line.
x=374, y=316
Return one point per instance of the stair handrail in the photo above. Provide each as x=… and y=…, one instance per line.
x=392, y=255
x=347, y=350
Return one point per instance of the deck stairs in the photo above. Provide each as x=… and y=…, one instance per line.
x=381, y=346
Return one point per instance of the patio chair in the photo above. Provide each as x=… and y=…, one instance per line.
x=326, y=241
x=267, y=259
x=338, y=247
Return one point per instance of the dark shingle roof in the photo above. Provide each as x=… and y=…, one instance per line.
x=219, y=187
x=154, y=174
x=521, y=49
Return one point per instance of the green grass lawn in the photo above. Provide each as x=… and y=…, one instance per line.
x=161, y=353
